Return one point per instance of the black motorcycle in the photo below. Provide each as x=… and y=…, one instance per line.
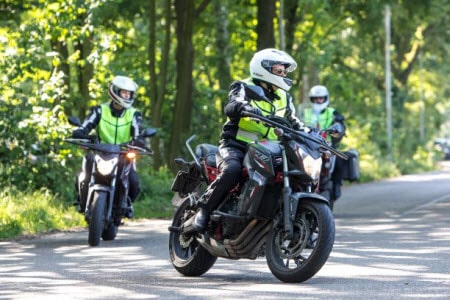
x=326, y=174
x=104, y=195
x=335, y=169
x=273, y=211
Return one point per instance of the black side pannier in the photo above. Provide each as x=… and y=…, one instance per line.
x=348, y=169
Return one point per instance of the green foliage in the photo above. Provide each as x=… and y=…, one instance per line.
x=31, y=212
x=424, y=159
x=154, y=200
x=36, y=211
x=373, y=164
x=48, y=51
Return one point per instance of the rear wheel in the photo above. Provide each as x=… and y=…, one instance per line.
x=187, y=256
x=299, y=258
x=97, y=217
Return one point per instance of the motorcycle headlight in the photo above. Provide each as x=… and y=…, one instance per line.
x=106, y=167
x=312, y=165
x=131, y=155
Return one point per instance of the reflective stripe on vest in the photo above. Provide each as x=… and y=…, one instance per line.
x=250, y=130
x=112, y=130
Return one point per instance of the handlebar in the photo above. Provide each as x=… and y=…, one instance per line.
x=330, y=131
x=109, y=148
x=300, y=134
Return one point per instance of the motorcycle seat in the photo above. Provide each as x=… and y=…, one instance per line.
x=208, y=152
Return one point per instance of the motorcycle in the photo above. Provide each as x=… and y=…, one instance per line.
x=273, y=211
x=336, y=169
x=104, y=195
x=326, y=174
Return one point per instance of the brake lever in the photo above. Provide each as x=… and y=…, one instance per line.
x=143, y=150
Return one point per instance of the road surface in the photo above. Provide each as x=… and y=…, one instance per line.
x=392, y=242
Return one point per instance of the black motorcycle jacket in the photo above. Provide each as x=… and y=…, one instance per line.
x=237, y=102
x=94, y=116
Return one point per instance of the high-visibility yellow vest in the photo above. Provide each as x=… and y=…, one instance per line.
x=250, y=130
x=322, y=121
x=112, y=130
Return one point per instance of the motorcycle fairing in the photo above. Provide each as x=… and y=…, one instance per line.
x=264, y=157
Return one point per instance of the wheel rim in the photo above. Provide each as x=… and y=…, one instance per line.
x=295, y=251
x=184, y=247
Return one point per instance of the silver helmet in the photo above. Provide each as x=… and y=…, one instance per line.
x=261, y=67
x=122, y=83
x=319, y=91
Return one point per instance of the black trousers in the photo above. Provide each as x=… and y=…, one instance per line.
x=229, y=160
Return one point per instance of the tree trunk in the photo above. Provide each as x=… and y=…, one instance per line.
x=186, y=13
x=265, y=28
x=223, y=50
x=157, y=82
x=184, y=59
x=61, y=48
x=84, y=73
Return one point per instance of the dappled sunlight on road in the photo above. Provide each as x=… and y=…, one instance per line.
x=430, y=177
x=402, y=254
x=22, y=265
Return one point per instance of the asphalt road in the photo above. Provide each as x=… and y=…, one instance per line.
x=392, y=242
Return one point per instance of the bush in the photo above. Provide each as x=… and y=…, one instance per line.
x=32, y=212
x=155, y=198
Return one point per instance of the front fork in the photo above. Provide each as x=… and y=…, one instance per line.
x=100, y=187
x=287, y=191
x=291, y=200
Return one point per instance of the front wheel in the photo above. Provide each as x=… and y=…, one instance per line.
x=187, y=256
x=97, y=217
x=299, y=258
x=110, y=233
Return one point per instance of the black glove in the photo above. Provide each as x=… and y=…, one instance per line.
x=336, y=130
x=80, y=133
x=138, y=143
x=251, y=109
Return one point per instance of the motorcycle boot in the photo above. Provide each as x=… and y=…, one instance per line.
x=77, y=203
x=129, y=211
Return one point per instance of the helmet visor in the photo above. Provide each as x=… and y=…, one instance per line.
x=268, y=64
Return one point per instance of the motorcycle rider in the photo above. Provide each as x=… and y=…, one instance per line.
x=321, y=116
x=268, y=69
x=116, y=122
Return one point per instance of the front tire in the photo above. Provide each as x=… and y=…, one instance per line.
x=110, y=233
x=300, y=258
x=187, y=256
x=326, y=190
x=97, y=217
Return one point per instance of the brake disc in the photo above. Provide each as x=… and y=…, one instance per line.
x=292, y=248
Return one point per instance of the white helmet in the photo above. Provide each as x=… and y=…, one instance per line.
x=319, y=91
x=261, y=67
x=122, y=83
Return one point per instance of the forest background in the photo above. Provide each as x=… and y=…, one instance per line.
x=57, y=58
